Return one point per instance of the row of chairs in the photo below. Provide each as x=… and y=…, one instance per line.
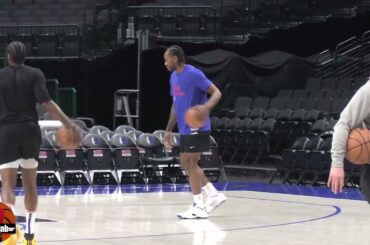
x=126, y=154
x=308, y=161
x=94, y=155
x=44, y=19
x=313, y=125
x=246, y=105
x=26, y=3
x=316, y=93
x=47, y=13
x=52, y=40
x=305, y=158
x=244, y=141
x=334, y=83
x=280, y=115
x=268, y=136
x=176, y=20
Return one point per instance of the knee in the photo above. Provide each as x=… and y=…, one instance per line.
x=7, y=195
x=186, y=167
x=191, y=166
x=189, y=162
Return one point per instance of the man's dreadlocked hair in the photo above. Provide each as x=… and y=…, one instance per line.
x=17, y=52
x=177, y=51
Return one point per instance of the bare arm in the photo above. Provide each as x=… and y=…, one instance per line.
x=170, y=125
x=56, y=113
x=353, y=115
x=172, y=120
x=215, y=97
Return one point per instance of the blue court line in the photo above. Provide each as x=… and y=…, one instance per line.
x=352, y=194
x=337, y=210
x=318, y=191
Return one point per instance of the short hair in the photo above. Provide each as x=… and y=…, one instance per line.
x=177, y=51
x=17, y=51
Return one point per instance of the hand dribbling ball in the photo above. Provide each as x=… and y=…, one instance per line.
x=195, y=117
x=68, y=138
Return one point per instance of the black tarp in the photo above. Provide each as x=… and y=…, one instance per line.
x=226, y=67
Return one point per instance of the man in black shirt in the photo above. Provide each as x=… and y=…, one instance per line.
x=21, y=87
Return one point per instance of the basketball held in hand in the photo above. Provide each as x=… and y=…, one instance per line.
x=196, y=116
x=358, y=146
x=68, y=138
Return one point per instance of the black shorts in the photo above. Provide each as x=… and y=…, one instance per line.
x=365, y=181
x=199, y=142
x=19, y=140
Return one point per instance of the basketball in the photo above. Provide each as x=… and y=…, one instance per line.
x=358, y=146
x=8, y=219
x=2, y=215
x=68, y=138
x=195, y=118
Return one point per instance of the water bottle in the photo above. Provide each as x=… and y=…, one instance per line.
x=119, y=33
x=131, y=26
x=128, y=34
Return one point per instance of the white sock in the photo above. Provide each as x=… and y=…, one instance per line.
x=198, y=200
x=209, y=189
x=30, y=223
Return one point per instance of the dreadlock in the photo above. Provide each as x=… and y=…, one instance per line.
x=177, y=51
x=17, y=52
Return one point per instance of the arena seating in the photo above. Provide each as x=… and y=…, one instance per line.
x=123, y=155
x=289, y=134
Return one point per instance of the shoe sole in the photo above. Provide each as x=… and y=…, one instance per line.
x=181, y=217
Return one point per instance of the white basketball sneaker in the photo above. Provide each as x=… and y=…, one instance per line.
x=213, y=201
x=195, y=212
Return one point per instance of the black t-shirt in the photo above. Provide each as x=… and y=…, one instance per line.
x=21, y=87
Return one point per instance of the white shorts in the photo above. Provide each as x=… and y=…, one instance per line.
x=23, y=163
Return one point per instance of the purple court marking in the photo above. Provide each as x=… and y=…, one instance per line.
x=336, y=211
x=352, y=194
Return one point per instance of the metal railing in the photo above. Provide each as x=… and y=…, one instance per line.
x=324, y=63
x=365, y=54
x=351, y=58
x=347, y=58
x=176, y=22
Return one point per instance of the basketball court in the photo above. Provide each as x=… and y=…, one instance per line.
x=253, y=214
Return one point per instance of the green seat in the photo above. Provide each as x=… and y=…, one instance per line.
x=67, y=101
x=52, y=86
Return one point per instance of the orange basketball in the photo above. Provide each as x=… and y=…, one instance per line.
x=358, y=146
x=195, y=118
x=8, y=220
x=68, y=138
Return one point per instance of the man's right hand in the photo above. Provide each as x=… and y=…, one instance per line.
x=336, y=179
x=167, y=140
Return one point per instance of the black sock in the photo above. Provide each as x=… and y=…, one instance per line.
x=29, y=237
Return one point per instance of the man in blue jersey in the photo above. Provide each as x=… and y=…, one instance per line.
x=189, y=88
